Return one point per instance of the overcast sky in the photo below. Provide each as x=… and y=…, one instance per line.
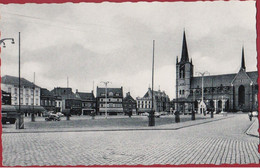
x=113, y=42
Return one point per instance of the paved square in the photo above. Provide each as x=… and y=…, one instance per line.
x=218, y=142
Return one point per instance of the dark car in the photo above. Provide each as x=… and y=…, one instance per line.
x=52, y=117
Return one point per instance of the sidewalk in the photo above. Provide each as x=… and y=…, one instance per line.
x=171, y=126
x=253, y=129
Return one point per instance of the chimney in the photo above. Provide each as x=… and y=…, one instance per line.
x=76, y=90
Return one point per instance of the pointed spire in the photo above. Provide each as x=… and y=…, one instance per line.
x=243, y=59
x=184, y=54
x=191, y=60
x=177, y=59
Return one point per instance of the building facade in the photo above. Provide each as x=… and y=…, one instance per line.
x=227, y=92
x=129, y=104
x=161, y=102
x=110, y=101
x=29, y=92
x=6, y=98
x=69, y=103
x=88, y=101
x=47, y=100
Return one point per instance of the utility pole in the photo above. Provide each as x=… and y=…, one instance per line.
x=107, y=82
x=32, y=116
x=20, y=120
x=151, y=115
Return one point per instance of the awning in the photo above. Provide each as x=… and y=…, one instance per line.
x=31, y=109
x=8, y=108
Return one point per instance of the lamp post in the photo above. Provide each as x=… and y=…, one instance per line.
x=202, y=88
x=107, y=82
x=5, y=39
x=151, y=121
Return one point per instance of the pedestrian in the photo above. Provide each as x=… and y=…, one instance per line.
x=250, y=115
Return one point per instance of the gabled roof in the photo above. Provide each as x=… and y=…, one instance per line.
x=46, y=92
x=86, y=96
x=115, y=91
x=13, y=80
x=129, y=97
x=155, y=93
x=70, y=96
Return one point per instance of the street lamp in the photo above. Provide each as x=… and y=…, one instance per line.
x=2, y=41
x=107, y=82
x=202, y=87
x=151, y=119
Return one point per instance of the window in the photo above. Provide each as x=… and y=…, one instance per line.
x=21, y=100
x=37, y=92
x=27, y=91
x=9, y=90
x=180, y=92
x=32, y=101
x=27, y=101
x=36, y=101
x=21, y=91
x=59, y=104
x=15, y=90
x=32, y=92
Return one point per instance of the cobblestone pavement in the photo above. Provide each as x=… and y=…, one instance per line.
x=218, y=142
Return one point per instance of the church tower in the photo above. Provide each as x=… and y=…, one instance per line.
x=184, y=72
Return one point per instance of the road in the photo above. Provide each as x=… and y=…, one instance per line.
x=218, y=142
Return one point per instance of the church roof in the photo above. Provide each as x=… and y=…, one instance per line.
x=184, y=53
x=217, y=80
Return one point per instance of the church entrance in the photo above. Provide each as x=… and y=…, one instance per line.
x=241, y=96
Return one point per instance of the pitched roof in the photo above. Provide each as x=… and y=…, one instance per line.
x=46, y=92
x=213, y=80
x=129, y=97
x=253, y=75
x=13, y=80
x=113, y=90
x=217, y=80
x=86, y=96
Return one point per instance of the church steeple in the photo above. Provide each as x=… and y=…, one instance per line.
x=184, y=54
x=243, y=66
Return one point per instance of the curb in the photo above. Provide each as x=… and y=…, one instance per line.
x=124, y=129
x=249, y=129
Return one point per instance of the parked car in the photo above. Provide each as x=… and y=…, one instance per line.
x=60, y=114
x=163, y=113
x=46, y=113
x=145, y=114
x=254, y=114
x=52, y=117
x=157, y=115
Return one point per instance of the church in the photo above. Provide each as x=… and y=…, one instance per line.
x=228, y=92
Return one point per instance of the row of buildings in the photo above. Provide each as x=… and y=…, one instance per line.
x=36, y=99
x=228, y=92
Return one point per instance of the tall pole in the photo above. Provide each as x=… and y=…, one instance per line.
x=106, y=96
x=32, y=116
x=106, y=100
x=20, y=121
x=151, y=115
